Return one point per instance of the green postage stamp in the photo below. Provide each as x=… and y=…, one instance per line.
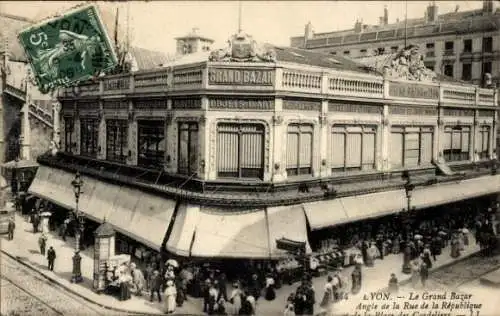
x=68, y=49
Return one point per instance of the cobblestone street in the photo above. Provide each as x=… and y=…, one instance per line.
x=24, y=292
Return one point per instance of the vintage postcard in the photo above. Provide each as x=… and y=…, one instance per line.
x=322, y=158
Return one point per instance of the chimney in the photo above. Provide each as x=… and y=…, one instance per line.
x=358, y=26
x=432, y=13
x=381, y=20
x=386, y=15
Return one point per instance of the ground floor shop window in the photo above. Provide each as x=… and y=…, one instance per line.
x=151, y=143
x=483, y=145
x=116, y=140
x=353, y=148
x=299, y=149
x=456, y=143
x=89, y=135
x=188, y=148
x=240, y=150
x=410, y=146
x=69, y=127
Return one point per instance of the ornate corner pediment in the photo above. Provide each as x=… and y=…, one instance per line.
x=243, y=48
x=409, y=65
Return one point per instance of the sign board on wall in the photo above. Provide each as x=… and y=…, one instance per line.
x=413, y=90
x=245, y=77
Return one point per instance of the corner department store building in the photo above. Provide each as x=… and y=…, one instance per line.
x=220, y=155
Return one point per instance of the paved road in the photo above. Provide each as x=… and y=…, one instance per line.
x=25, y=292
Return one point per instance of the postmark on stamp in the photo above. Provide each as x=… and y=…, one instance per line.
x=68, y=49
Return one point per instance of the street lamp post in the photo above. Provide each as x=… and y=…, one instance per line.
x=77, y=184
x=409, y=191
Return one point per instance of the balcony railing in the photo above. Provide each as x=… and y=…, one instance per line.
x=283, y=78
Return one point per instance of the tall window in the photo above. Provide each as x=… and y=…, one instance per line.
x=188, y=148
x=483, y=145
x=487, y=44
x=410, y=146
x=299, y=146
x=240, y=150
x=448, y=48
x=69, y=127
x=486, y=68
x=448, y=70
x=467, y=72
x=116, y=140
x=468, y=46
x=151, y=143
x=89, y=134
x=353, y=148
x=456, y=143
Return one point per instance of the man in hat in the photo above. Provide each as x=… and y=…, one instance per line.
x=156, y=283
x=51, y=257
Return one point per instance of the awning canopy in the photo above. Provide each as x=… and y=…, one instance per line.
x=329, y=213
x=231, y=234
x=372, y=205
x=324, y=214
x=142, y=216
x=455, y=191
x=287, y=222
x=181, y=236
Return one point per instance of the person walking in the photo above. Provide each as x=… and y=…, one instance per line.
x=42, y=243
x=170, y=296
x=156, y=282
x=10, y=228
x=51, y=257
x=35, y=222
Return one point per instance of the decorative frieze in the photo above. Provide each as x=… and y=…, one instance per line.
x=411, y=110
x=301, y=105
x=156, y=79
x=187, y=78
x=354, y=108
x=458, y=112
x=186, y=103
x=240, y=104
x=152, y=104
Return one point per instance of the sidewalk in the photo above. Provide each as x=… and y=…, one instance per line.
x=24, y=248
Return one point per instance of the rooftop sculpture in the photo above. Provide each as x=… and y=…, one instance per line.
x=243, y=48
x=409, y=65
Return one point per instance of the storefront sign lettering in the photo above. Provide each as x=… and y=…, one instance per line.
x=241, y=104
x=405, y=90
x=251, y=77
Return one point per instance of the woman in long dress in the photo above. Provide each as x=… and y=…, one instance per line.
x=415, y=272
x=356, y=279
x=270, y=292
x=170, y=296
x=235, y=300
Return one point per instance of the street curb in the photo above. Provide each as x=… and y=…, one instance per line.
x=53, y=280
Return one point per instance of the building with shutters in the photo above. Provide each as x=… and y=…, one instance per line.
x=464, y=45
x=220, y=154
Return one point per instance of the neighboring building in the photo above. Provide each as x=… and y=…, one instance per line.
x=193, y=43
x=463, y=45
x=221, y=156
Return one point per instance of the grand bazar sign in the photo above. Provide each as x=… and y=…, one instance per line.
x=413, y=90
x=250, y=77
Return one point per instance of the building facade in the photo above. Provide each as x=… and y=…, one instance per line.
x=462, y=45
x=262, y=144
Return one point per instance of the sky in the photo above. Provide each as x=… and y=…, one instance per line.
x=155, y=24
